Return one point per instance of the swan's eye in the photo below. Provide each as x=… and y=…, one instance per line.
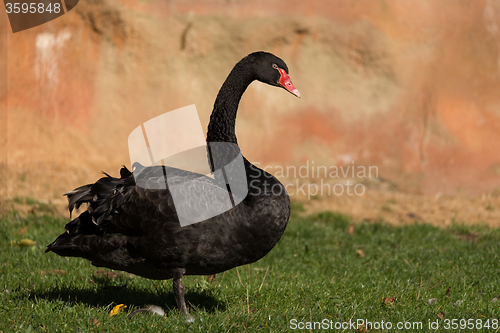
x=275, y=66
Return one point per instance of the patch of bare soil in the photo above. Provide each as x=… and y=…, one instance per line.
x=400, y=208
x=377, y=203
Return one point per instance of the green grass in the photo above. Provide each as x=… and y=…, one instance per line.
x=321, y=269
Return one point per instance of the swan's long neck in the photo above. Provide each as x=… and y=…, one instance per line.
x=223, y=119
x=222, y=127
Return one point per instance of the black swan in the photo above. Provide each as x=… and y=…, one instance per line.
x=134, y=229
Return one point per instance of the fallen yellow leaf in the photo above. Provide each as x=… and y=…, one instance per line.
x=23, y=243
x=117, y=309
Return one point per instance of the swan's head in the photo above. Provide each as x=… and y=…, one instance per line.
x=272, y=70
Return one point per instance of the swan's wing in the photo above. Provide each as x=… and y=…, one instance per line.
x=136, y=205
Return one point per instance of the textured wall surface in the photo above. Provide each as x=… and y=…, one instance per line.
x=409, y=87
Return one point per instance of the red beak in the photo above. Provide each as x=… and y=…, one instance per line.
x=286, y=83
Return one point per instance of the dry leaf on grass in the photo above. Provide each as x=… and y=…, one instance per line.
x=94, y=322
x=432, y=301
x=350, y=230
x=59, y=272
x=117, y=309
x=101, y=273
x=22, y=231
x=389, y=300
x=441, y=315
x=361, y=329
x=361, y=253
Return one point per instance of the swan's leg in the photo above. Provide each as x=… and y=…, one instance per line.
x=179, y=290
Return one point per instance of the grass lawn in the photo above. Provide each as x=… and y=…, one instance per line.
x=325, y=269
